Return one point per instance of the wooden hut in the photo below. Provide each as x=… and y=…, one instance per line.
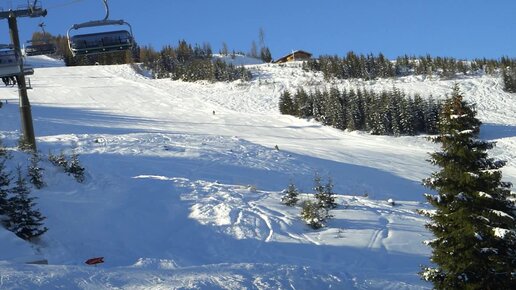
x=293, y=56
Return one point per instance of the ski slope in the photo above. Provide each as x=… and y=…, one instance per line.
x=183, y=183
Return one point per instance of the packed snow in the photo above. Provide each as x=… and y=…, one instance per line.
x=184, y=183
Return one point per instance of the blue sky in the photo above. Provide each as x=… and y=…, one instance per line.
x=457, y=28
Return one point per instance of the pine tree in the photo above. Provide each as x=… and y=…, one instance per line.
x=74, y=168
x=265, y=54
x=474, y=223
x=35, y=172
x=3, y=151
x=58, y=160
x=431, y=116
x=509, y=79
x=286, y=104
x=329, y=195
x=313, y=214
x=324, y=193
x=303, y=104
x=333, y=109
x=5, y=181
x=24, y=220
x=291, y=195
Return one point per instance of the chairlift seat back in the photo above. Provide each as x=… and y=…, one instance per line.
x=9, y=63
x=93, y=43
x=40, y=49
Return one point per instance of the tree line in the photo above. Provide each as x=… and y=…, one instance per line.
x=509, y=79
x=370, y=67
x=190, y=63
x=385, y=113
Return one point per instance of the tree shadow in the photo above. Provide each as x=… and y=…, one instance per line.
x=496, y=131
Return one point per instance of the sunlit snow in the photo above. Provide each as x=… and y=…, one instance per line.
x=184, y=183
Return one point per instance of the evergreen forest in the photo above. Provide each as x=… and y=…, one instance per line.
x=385, y=113
x=370, y=67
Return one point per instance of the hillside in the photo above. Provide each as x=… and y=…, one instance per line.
x=183, y=183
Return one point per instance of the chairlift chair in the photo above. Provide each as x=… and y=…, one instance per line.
x=9, y=61
x=100, y=42
x=33, y=48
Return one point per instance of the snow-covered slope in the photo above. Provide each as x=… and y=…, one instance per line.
x=183, y=182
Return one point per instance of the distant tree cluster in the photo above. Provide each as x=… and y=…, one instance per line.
x=352, y=66
x=370, y=67
x=509, y=79
x=188, y=63
x=385, y=113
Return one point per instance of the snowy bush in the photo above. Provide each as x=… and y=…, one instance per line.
x=313, y=214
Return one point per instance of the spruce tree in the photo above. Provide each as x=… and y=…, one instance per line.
x=3, y=151
x=286, y=104
x=324, y=193
x=35, y=171
x=313, y=215
x=509, y=79
x=333, y=109
x=303, y=104
x=265, y=54
x=5, y=181
x=25, y=221
x=75, y=169
x=329, y=195
x=291, y=195
x=58, y=160
x=474, y=223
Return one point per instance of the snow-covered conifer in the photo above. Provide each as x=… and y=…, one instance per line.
x=474, y=222
x=291, y=195
x=35, y=171
x=286, y=104
x=74, y=168
x=58, y=160
x=313, y=214
x=324, y=194
x=5, y=181
x=25, y=221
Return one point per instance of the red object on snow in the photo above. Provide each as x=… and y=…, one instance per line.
x=95, y=261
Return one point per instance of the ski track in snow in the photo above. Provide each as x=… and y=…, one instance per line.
x=193, y=197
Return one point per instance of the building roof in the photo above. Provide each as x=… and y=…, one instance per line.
x=293, y=54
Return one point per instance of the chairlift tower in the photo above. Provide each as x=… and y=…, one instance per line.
x=33, y=11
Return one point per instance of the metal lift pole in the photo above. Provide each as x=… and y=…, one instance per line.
x=28, y=136
x=25, y=111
